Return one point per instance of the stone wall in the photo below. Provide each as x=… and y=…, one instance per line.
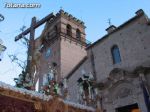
x=72, y=82
x=132, y=39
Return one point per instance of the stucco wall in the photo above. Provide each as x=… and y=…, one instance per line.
x=71, y=54
x=71, y=51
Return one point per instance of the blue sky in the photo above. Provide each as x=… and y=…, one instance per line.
x=95, y=14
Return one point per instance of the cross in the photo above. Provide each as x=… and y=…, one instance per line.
x=61, y=8
x=34, y=24
x=109, y=22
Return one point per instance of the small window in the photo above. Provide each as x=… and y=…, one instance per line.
x=115, y=54
x=78, y=34
x=69, y=30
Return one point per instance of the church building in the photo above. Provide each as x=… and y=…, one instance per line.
x=63, y=45
x=120, y=65
x=112, y=74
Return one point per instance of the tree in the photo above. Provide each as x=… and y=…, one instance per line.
x=1, y=17
x=2, y=47
x=23, y=81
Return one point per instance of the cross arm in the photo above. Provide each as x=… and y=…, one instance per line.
x=42, y=21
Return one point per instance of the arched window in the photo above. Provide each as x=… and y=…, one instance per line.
x=78, y=34
x=69, y=30
x=115, y=54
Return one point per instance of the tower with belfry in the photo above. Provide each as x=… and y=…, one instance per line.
x=62, y=46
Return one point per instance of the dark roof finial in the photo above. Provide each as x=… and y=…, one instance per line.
x=61, y=10
x=139, y=12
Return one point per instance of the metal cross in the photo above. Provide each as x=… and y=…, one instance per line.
x=109, y=22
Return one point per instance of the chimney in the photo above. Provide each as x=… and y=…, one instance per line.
x=111, y=29
x=139, y=12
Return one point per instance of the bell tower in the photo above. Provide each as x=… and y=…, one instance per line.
x=62, y=45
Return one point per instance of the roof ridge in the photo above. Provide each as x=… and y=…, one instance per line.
x=76, y=67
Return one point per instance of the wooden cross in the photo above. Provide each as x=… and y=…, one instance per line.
x=31, y=30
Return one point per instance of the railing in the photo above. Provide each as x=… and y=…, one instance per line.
x=81, y=40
